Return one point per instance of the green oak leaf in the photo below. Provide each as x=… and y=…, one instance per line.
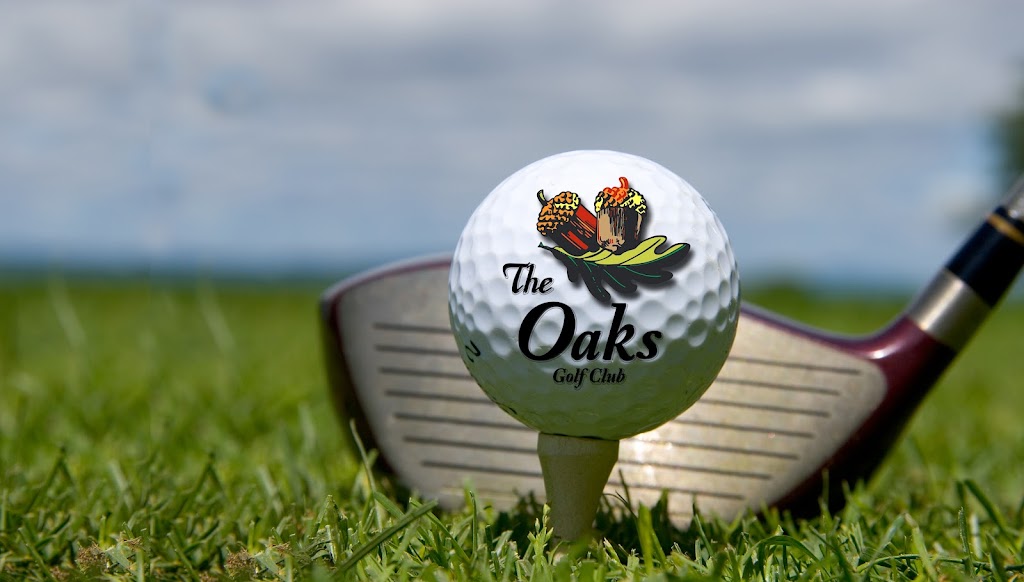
x=624, y=278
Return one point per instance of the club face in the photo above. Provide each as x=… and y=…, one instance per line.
x=785, y=402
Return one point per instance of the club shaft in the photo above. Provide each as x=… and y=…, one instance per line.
x=960, y=297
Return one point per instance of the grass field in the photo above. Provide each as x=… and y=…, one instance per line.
x=184, y=431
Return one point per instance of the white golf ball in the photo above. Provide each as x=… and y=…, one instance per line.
x=578, y=306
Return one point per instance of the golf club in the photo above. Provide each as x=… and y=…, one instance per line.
x=791, y=404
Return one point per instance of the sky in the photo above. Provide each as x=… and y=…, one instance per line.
x=838, y=142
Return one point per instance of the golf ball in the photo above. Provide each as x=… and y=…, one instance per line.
x=594, y=294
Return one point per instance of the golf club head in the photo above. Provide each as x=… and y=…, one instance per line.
x=791, y=403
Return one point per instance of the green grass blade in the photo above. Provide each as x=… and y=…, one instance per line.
x=965, y=543
x=922, y=550
x=360, y=552
x=994, y=514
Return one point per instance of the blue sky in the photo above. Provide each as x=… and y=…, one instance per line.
x=837, y=141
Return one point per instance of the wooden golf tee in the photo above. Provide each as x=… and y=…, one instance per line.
x=575, y=473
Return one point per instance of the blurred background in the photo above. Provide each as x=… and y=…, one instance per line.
x=844, y=145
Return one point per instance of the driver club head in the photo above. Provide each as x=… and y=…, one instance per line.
x=790, y=404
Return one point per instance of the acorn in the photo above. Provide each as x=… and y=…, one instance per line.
x=567, y=222
x=620, y=211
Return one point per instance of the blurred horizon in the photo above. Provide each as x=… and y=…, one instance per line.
x=841, y=145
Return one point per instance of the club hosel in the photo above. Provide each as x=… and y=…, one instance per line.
x=959, y=298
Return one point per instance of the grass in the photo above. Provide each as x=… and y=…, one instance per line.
x=155, y=431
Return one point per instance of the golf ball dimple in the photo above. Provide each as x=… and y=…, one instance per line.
x=594, y=294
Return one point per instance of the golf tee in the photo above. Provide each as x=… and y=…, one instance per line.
x=575, y=473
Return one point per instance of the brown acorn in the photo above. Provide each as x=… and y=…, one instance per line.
x=620, y=210
x=567, y=222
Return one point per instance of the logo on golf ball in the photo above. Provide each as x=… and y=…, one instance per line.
x=603, y=251
x=606, y=250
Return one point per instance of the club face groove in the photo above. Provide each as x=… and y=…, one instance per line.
x=785, y=402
